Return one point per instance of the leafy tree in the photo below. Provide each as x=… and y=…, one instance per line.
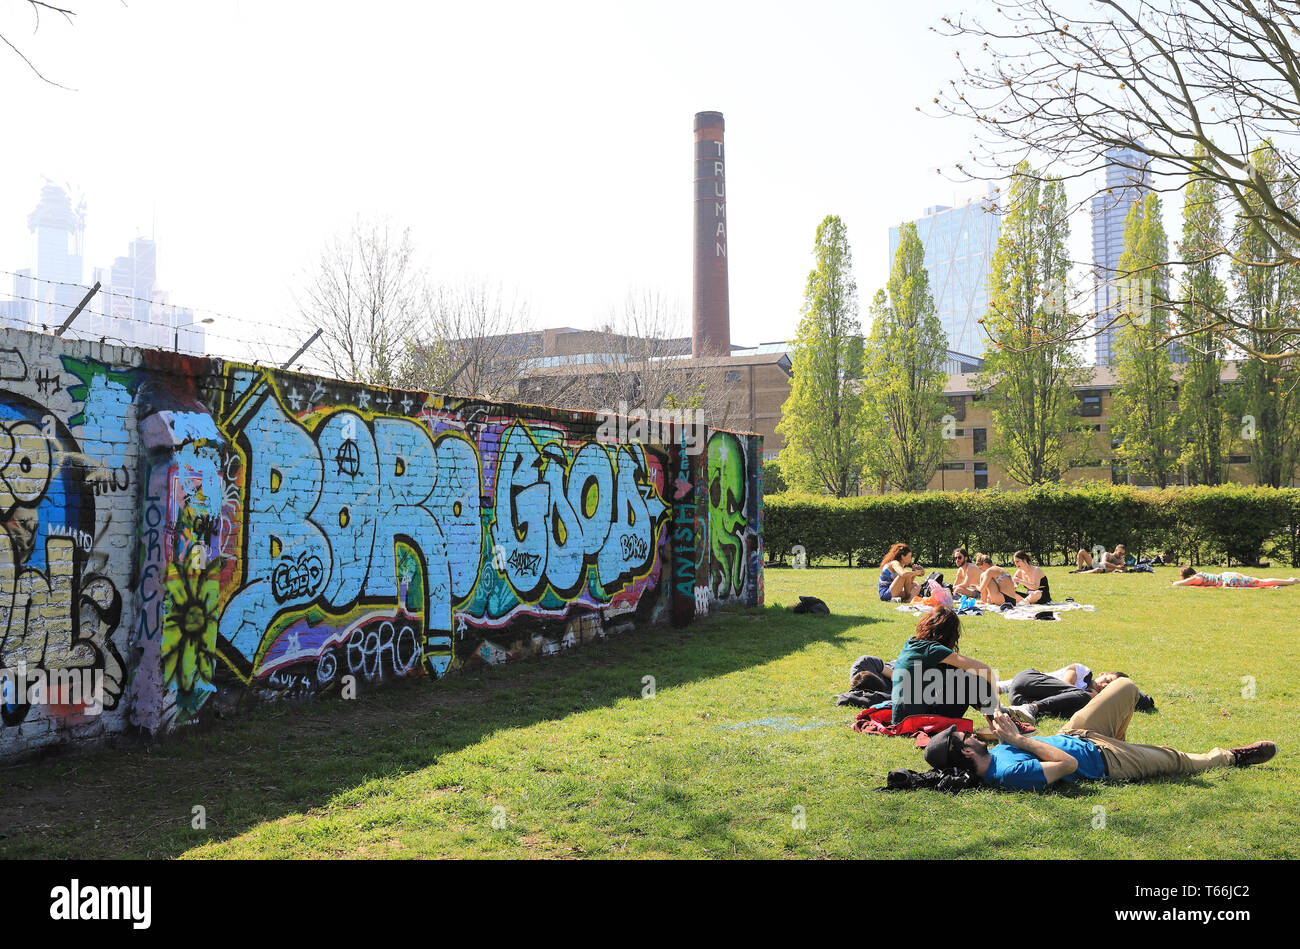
x=773, y=480
x=1143, y=414
x=1201, y=403
x=821, y=420
x=903, y=373
x=1266, y=299
x=1031, y=370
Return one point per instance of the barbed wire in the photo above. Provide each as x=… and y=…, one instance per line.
x=111, y=291
x=149, y=323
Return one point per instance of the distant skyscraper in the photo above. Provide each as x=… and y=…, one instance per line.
x=959, y=243
x=129, y=308
x=1127, y=179
x=58, y=230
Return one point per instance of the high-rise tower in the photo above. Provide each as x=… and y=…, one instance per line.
x=1127, y=180
x=959, y=245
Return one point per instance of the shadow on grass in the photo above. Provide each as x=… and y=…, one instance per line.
x=136, y=799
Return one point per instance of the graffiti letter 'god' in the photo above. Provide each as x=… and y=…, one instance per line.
x=556, y=514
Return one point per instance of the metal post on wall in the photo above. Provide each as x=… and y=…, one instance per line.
x=79, y=307
x=303, y=348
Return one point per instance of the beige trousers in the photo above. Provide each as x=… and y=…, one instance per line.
x=1104, y=722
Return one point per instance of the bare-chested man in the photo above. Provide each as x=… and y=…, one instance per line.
x=967, y=581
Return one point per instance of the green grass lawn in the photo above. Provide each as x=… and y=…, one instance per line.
x=564, y=757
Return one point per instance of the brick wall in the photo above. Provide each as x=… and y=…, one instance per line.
x=184, y=534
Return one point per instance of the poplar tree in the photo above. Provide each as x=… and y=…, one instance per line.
x=903, y=376
x=1144, y=417
x=1201, y=405
x=821, y=420
x=1266, y=300
x=1031, y=370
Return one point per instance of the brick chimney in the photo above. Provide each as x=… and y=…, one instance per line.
x=710, y=311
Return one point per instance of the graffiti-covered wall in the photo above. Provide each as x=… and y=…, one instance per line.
x=184, y=534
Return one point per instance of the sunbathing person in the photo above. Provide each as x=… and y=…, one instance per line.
x=967, y=581
x=1110, y=563
x=898, y=577
x=930, y=677
x=996, y=586
x=1229, y=578
x=1091, y=746
x=1032, y=577
x=1062, y=692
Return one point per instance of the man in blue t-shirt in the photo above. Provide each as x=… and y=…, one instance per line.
x=1090, y=746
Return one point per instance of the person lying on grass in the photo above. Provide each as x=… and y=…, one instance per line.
x=1061, y=693
x=1110, y=563
x=967, y=581
x=1091, y=746
x=996, y=586
x=899, y=579
x=1032, y=578
x=1193, y=578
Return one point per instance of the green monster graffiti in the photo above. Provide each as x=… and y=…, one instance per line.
x=727, y=497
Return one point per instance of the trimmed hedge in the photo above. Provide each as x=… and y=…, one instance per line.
x=1233, y=523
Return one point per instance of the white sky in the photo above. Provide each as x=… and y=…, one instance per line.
x=546, y=147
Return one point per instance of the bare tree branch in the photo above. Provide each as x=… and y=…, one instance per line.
x=36, y=7
x=366, y=295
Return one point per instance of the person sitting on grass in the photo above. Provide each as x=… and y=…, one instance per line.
x=930, y=677
x=967, y=581
x=1061, y=693
x=1110, y=563
x=1033, y=579
x=1091, y=746
x=995, y=586
x=898, y=578
x=1229, y=578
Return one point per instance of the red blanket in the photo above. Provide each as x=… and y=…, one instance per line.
x=876, y=721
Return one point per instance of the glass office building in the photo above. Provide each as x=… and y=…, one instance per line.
x=959, y=243
x=1127, y=180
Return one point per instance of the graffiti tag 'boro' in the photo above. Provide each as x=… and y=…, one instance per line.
x=188, y=532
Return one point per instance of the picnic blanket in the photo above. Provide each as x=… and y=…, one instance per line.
x=1021, y=611
x=876, y=721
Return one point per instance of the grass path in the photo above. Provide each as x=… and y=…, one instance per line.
x=564, y=757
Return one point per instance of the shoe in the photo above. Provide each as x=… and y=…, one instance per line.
x=1021, y=713
x=1257, y=753
x=1145, y=703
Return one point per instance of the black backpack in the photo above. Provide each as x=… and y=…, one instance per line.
x=934, y=577
x=810, y=604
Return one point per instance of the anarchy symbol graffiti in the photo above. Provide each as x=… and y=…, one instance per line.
x=348, y=458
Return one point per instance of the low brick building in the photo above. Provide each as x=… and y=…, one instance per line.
x=970, y=468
